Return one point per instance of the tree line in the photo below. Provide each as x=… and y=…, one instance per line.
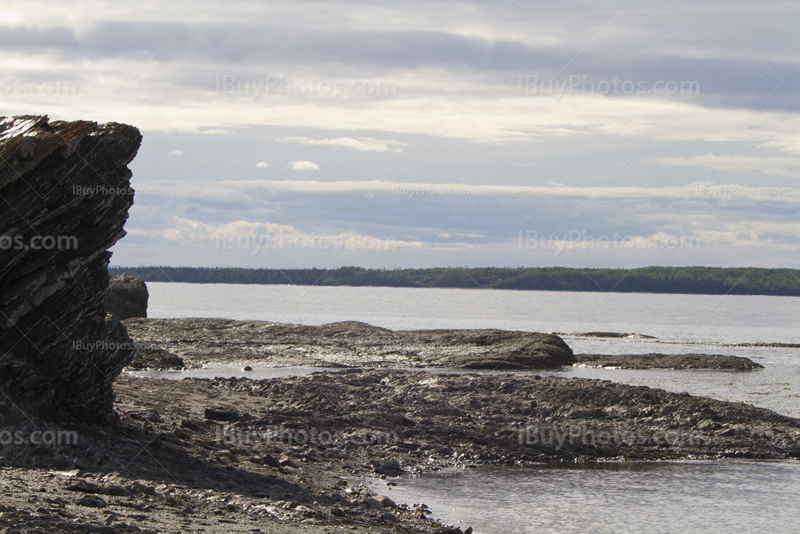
x=692, y=280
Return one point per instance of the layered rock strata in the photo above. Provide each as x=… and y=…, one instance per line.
x=65, y=191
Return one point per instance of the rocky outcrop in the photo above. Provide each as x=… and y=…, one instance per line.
x=155, y=358
x=349, y=344
x=65, y=191
x=126, y=297
x=668, y=361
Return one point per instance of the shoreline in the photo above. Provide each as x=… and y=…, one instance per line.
x=296, y=454
x=194, y=342
x=304, y=453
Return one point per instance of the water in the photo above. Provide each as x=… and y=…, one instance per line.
x=681, y=323
x=679, y=497
x=684, y=318
x=724, y=496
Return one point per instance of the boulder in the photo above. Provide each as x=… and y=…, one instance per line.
x=65, y=188
x=126, y=297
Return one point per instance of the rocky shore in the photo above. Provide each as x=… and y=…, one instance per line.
x=347, y=344
x=296, y=454
x=177, y=343
x=668, y=361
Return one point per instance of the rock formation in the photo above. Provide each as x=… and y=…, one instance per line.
x=668, y=361
x=126, y=297
x=65, y=191
x=349, y=344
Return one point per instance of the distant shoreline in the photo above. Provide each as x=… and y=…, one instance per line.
x=661, y=280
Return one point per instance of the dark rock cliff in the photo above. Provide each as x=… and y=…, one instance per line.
x=126, y=297
x=65, y=193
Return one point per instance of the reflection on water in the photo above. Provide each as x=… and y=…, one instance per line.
x=681, y=497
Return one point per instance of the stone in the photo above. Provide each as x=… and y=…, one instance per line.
x=193, y=424
x=84, y=487
x=270, y=461
x=70, y=188
x=373, y=503
x=150, y=357
x=221, y=415
x=116, y=491
x=387, y=467
x=92, y=501
x=386, y=501
x=126, y=297
x=146, y=489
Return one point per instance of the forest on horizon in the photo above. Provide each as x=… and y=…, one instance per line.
x=687, y=280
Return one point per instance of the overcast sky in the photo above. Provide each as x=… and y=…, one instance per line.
x=419, y=134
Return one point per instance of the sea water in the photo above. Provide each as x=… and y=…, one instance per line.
x=721, y=496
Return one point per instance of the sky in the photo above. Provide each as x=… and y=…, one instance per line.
x=433, y=134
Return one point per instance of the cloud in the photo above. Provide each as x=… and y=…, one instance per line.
x=262, y=165
x=479, y=120
x=302, y=165
x=754, y=234
x=361, y=144
x=776, y=165
x=696, y=191
x=260, y=236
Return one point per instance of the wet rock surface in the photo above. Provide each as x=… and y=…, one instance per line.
x=613, y=335
x=150, y=357
x=348, y=344
x=668, y=361
x=166, y=467
x=295, y=454
x=491, y=418
x=69, y=186
x=126, y=297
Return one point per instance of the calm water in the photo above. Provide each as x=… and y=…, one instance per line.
x=679, y=497
x=685, y=318
x=725, y=496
